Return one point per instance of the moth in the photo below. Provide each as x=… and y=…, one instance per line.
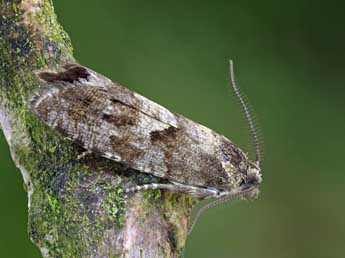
x=108, y=119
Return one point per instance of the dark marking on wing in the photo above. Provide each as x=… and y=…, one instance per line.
x=87, y=100
x=124, y=147
x=119, y=120
x=175, y=140
x=232, y=153
x=115, y=101
x=166, y=136
x=72, y=74
x=168, y=139
x=123, y=115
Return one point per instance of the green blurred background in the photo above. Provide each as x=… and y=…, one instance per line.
x=289, y=58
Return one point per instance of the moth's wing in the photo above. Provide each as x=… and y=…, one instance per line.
x=123, y=126
x=108, y=122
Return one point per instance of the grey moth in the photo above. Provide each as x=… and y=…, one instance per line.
x=108, y=119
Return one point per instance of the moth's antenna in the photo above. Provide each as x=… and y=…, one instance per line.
x=248, y=115
x=221, y=200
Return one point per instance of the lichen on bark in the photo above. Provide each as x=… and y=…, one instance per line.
x=77, y=208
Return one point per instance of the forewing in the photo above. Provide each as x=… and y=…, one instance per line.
x=121, y=125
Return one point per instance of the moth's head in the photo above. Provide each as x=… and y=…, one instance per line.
x=245, y=176
x=252, y=177
x=242, y=173
x=246, y=181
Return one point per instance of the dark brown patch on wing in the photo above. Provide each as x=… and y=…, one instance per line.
x=231, y=153
x=84, y=104
x=167, y=139
x=72, y=74
x=184, y=160
x=115, y=101
x=122, y=114
x=126, y=150
x=166, y=136
x=211, y=165
x=119, y=120
x=87, y=100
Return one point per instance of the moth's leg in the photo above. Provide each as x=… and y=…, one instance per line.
x=84, y=154
x=224, y=196
x=195, y=191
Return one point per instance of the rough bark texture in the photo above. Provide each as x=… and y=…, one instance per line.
x=77, y=208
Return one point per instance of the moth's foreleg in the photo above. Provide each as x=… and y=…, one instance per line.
x=195, y=191
x=84, y=154
x=248, y=191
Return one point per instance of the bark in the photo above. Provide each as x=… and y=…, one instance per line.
x=77, y=208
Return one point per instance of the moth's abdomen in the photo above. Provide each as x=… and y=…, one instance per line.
x=126, y=127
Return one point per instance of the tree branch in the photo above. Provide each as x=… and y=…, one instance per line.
x=77, y=208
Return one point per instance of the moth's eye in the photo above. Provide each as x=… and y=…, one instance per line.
x=252, y=180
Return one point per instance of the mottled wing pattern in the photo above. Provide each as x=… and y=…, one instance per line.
x=126, y=127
